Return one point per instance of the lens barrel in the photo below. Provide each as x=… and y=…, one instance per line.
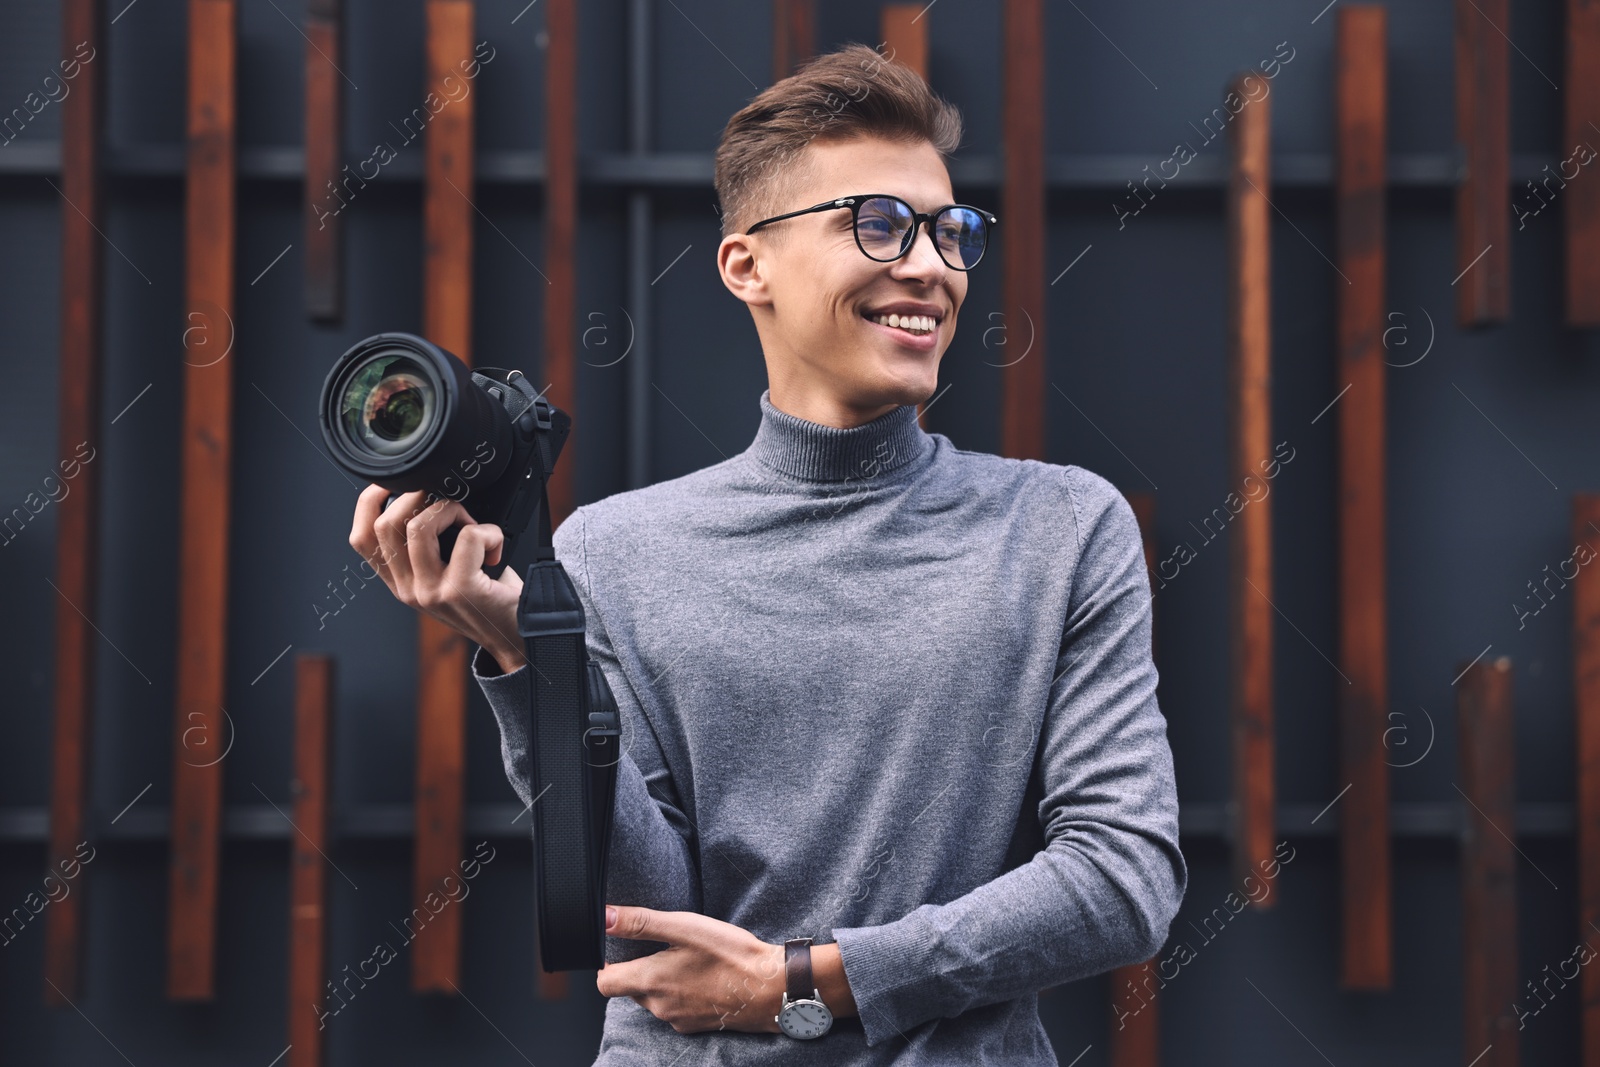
x=402, y=412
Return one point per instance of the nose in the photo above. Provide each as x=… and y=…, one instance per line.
x=922, y=261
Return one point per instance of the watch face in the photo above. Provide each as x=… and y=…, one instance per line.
x=805, y=1019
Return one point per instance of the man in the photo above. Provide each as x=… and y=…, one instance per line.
x=876, y=691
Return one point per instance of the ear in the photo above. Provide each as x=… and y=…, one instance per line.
x=740, y=267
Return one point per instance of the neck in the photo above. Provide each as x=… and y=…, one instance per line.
x=813, y=451
x=823, y=409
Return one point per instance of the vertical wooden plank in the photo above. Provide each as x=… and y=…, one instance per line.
x=1022, y=193
x=904, y=29
x=561, y=232
x=77, y=521
x=561, y=295
x=905, y=35
x=793, y=35
x=1488, y=864
x=1360, y=179
x=1135, y=1026
x=1483, y=134
x=1586, y=718
x=324, y=255
x=1250, y=438
x=1582, y=198
x=641, y=211
x=200, y=729
x=308, y=849
x=448, y=216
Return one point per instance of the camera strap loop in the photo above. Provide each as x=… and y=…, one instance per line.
x=542, y=534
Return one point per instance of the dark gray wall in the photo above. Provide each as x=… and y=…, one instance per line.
x=1488, y=439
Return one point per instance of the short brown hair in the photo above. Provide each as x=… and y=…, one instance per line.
x=850, y=92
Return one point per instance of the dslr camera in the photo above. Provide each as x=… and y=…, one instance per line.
x=405, y=414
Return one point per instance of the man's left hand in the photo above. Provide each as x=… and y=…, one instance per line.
x=712, y=976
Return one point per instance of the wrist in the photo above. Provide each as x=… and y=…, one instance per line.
x=508, y=660
x=827, y=972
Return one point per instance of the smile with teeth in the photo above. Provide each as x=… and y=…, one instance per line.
x=916, y=325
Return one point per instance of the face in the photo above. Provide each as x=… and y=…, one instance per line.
x=811, y=290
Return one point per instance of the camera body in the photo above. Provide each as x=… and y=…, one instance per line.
x=406, y=414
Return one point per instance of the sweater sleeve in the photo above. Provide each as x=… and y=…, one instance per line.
x=1110, y=879
x=651, y=859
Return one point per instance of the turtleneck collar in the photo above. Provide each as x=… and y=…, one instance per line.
x=809, y=450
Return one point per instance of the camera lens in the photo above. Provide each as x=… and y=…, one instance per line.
x=388, y=404
x=400, y=411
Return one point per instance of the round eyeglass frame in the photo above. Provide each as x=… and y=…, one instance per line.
x=918, y=218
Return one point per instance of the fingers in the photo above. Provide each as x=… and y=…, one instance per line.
x=422, y=541
x=511, y=580
x=363, y=537
x=478, y=545
x=677, y=984
x=620, y=980
x=391, y=530
x=631, y=922
x=647, y=924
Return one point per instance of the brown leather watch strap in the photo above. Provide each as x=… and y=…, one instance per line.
x=797, y=968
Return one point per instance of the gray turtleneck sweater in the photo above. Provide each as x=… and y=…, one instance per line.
x=879, y=690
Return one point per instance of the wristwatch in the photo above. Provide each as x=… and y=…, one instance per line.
x=802, y=1014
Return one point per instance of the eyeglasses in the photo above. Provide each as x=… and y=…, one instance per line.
x=886, y=228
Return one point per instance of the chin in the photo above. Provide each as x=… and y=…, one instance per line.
x=897, y=388
x=869, y=380
x=913, y=385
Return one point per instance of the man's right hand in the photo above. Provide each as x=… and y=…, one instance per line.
x=401, y=542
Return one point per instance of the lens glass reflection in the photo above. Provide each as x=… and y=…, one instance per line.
x=388, y=405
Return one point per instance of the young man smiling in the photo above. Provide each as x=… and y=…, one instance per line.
x=893, y=757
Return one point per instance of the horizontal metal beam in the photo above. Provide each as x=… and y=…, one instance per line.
x=1412, y=819
x=693, y=170
x=266, y=822
x=377, y=822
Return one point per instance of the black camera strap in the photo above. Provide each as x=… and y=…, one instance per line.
x=574, y=747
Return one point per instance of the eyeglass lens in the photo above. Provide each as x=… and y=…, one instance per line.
x=883, y=229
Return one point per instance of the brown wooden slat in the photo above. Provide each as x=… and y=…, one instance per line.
x=77, y=518
x=793, y=35
x=561, y=294
x=1586, y=718
x=448, y=217
x=905, y=35
x=1022, y=383
x=1135, y=1026
x=1581, y=198
x=1483, y=130
x=324, y=257
x=905, y=40
x=561, y=235
x=201, y=731
x=1488, y=864
x=1360, y=105
x=308, y=850
x=1250, y=437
